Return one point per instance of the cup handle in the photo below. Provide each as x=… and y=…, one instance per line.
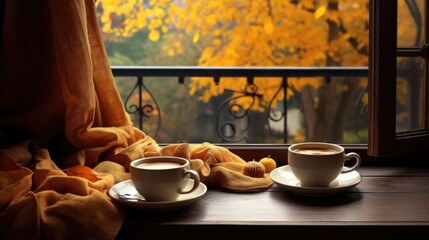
x=348, y=157
x=196, y=178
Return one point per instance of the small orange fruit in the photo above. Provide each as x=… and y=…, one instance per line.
x=269, y=164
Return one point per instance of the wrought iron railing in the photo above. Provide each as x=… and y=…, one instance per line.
x=226, y=129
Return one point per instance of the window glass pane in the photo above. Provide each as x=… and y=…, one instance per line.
x=238, y=34
x=411, y=23
x=410, y=94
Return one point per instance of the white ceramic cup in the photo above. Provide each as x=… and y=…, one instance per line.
x=317, y=164
x=162, y=178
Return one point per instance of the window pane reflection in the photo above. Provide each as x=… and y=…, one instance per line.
x=411, y=23
x=410, y=94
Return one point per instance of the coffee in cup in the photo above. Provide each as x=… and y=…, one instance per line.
x=163, y=178
x=317, y=164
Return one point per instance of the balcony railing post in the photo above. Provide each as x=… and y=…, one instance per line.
x=285, y=131
x=140, y=84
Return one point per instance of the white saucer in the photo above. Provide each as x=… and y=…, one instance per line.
x=127, y=186
x=284, y=178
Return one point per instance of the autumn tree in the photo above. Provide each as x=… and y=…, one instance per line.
x=261, y=33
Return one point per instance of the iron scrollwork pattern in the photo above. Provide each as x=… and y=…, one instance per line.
x=277, y=115
x=144, y=108
x=232, y=121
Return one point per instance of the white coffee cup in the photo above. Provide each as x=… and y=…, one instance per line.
x=162, y=178
x=317, y=164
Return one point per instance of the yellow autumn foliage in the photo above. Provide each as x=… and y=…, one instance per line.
x=251, y=33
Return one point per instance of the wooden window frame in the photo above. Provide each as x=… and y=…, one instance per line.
x=383, y=140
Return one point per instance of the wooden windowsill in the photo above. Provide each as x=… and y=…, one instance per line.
x=390, y=202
